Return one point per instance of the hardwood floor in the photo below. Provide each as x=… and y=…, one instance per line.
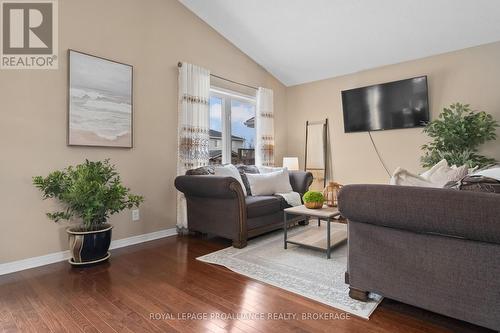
x=163, y=278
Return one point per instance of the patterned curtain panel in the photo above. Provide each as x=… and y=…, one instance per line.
x=193, y=127
x=264, y=128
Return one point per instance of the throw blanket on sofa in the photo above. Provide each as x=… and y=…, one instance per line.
x=291, y=198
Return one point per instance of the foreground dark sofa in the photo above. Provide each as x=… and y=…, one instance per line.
x=217, y=205
x=437, y=249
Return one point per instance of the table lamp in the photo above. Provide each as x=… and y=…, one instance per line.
x=291, y=163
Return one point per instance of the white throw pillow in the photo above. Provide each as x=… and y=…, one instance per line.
x=269, y=183
x=403, y=177
x=230, y=170
x=445, y=174
x=268, y=169
x=491, y=173
x=441, y=173
x=471, y=171
x=432, y=170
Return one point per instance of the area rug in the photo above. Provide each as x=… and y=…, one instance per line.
x=299, y=270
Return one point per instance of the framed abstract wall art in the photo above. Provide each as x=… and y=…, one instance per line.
x=100, y=102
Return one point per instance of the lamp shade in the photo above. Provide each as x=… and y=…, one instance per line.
x=291, y=163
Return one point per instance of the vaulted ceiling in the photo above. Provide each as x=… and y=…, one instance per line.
x=300, y=41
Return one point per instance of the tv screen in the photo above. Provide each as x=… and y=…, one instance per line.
x=398, y=104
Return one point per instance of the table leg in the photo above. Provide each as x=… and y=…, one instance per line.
x=328, y=245
x=319, y=222
x=285, y=227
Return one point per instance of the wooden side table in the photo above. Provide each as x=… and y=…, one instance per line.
x=315, y=238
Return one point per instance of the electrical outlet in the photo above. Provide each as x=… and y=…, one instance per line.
x=135, y=215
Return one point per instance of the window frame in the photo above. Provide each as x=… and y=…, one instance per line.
x=227, y=96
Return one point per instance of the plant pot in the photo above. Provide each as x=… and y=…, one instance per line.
x=313, y=205
x=89, y=247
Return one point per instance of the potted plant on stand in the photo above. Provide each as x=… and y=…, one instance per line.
x=91, y=192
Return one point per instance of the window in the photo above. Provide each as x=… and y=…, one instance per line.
x=232, y=127
x=215, y=147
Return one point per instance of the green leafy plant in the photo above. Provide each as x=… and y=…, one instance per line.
x=313, y=196
x=91, y=191
x=456, y=136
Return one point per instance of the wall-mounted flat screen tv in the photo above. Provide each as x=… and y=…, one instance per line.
x=392, y=105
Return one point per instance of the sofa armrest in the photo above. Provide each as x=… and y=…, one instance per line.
x=215, y=205
x=464, y=214
x=209, y=186
x=300, y=181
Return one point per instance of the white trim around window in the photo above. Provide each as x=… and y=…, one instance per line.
x=221, y=92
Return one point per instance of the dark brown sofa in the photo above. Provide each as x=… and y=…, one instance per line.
x=217, y=205
x=437, y=249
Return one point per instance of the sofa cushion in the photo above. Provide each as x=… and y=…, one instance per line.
x=262, y=205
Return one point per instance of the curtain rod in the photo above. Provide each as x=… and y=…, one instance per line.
x=179, y=64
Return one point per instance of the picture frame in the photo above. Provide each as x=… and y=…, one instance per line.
x=100, y=102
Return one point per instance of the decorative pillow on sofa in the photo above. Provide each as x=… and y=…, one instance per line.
x=492, y=172
x=476, y=183
x=445, y=174
x=244, y=169
x=201, y=171
x=441, y=174
x=403, y=177
x=270, y=183
x=268, y=169
x=427, y=174
x=230, y=170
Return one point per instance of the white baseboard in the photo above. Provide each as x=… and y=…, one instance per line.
x=142, y=238
x=20, y=265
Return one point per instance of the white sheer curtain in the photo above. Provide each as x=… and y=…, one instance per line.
x=264, y=128
x=193, y=127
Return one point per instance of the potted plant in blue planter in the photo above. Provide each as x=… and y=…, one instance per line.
x=90, y=192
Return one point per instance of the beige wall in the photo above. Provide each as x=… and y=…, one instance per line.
x=469, y=76
x=151, y=35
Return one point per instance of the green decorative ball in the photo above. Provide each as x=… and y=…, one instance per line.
x=313, y=196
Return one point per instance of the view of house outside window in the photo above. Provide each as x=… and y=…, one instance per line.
x=232, y=130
